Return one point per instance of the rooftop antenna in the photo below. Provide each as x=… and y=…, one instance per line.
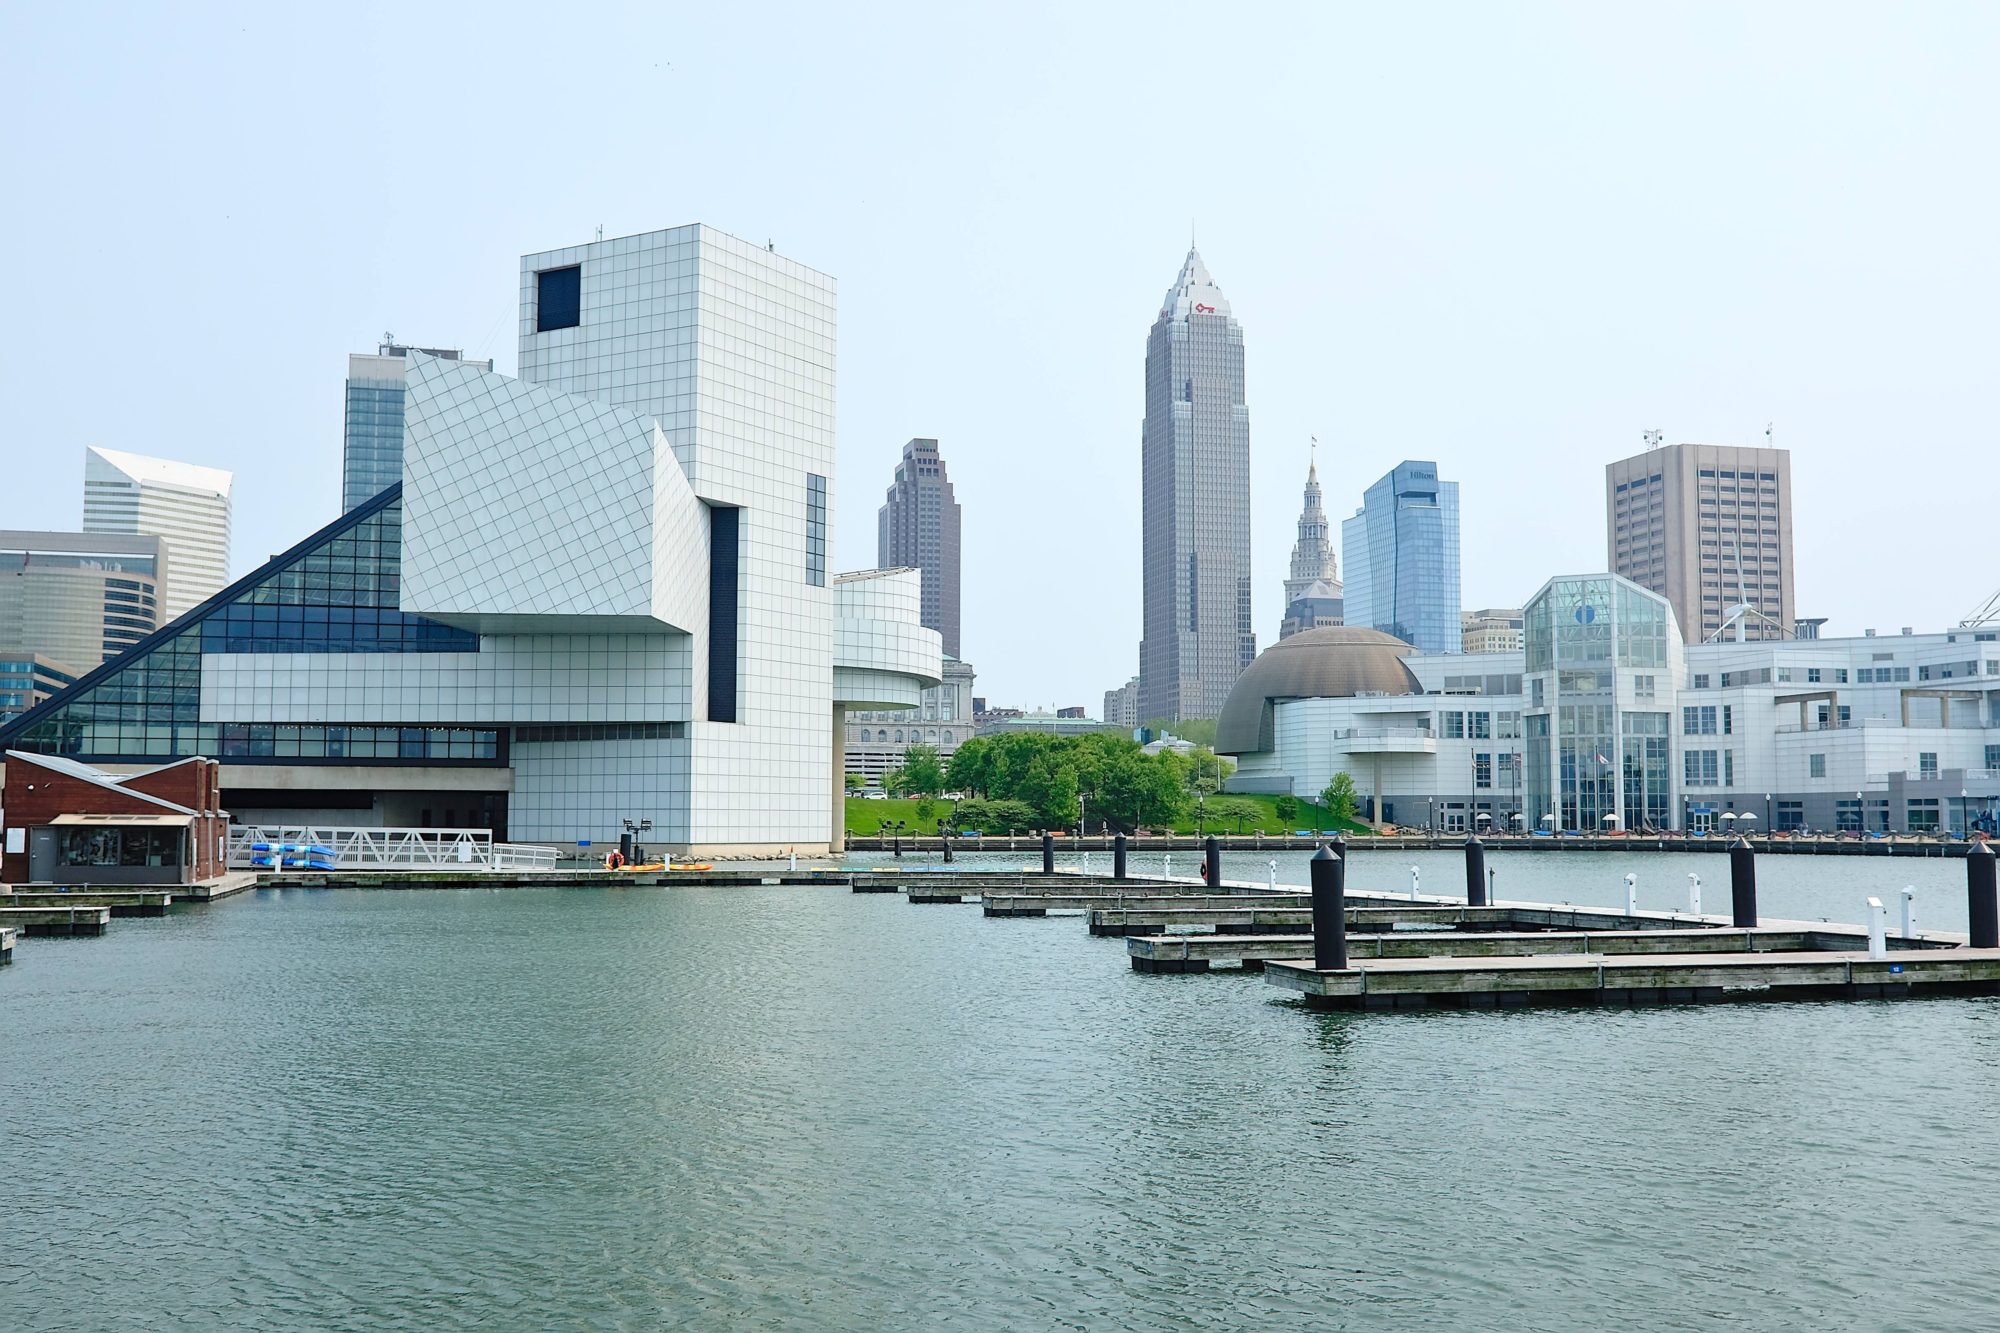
x=1767, y=434
x=600, y=231
x=1654, y=439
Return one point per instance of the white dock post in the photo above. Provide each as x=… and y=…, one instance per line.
x=1909, y=912
x=795, y=863
x=1878, y=929
x=1694, y=893
x=1274, y=873
x=1167, y=866
x=1631, y=895
x=1086, y=865
x=1416, y=882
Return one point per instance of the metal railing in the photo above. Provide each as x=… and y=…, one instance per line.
x=387, y=848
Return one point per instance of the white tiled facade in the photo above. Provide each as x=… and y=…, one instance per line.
x=729, y=347
x=525, y=508
x=884, y=716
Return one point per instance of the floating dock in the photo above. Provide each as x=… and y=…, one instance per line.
x=1253, y=917
x=1199, y=953
x=122, y=902
x=1610, y=979
x=57, y=920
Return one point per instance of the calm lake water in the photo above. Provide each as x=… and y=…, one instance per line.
x=796, y=1108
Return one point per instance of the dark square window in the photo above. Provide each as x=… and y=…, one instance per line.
x=558, y=298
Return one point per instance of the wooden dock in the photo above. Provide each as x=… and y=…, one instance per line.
x=122, y=902
x=1252, y=917
x=1610, y=979
x=1199, y=953
x=57, y=920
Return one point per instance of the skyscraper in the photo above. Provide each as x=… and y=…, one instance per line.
x=917, y=528
x=1313, y=596
x=371, y=457
x=77, y=598
x=1196, y=470
x=185, y=506
x=1401, y=552
x=1708, y=527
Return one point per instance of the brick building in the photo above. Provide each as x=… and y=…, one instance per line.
x=69, y=823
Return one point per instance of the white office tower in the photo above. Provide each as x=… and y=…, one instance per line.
x=185, y=506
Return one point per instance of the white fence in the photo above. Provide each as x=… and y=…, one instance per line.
x=390, y=848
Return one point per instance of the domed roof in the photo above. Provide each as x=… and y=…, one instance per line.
x=1338, y=662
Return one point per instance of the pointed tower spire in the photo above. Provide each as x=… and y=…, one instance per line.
x=1313, y=561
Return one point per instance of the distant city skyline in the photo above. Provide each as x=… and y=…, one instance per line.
x=1786, y=230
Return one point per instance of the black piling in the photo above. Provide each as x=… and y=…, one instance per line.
x=1982, y=904
x=1475, y=872
x=1329, y=896
x=946, y=840
x=1742, y=885
x=625, y=848
x=1118, y=858
x=1048, y=853
x=1211, y=863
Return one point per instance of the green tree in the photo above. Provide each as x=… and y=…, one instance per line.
x=992, y=817
x=971, y=767
x=1340, y=799
x=926, y=808
x=855, y=782
x=1287, y=808
x=921, y=773
x=1233, y=811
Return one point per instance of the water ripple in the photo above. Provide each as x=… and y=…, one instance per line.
x=806, y=1109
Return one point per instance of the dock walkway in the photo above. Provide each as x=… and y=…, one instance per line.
x=57, y=920
x=122, y=902
x=1612, y=979
x=1199, y=953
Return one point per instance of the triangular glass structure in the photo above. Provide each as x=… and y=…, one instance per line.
x=335, y=592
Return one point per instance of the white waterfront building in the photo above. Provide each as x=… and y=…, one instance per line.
x=185, y=506
x=1606, y=719
x=599, y=593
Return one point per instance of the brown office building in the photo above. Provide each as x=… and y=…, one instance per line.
x=1707, y=527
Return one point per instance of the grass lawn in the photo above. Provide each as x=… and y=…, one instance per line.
x=865, y=818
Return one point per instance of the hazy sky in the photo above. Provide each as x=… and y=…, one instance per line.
x=1510, y=238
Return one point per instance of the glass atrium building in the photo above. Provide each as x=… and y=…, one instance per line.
x=1602, y=664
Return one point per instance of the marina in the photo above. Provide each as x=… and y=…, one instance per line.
x=666, y=1036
